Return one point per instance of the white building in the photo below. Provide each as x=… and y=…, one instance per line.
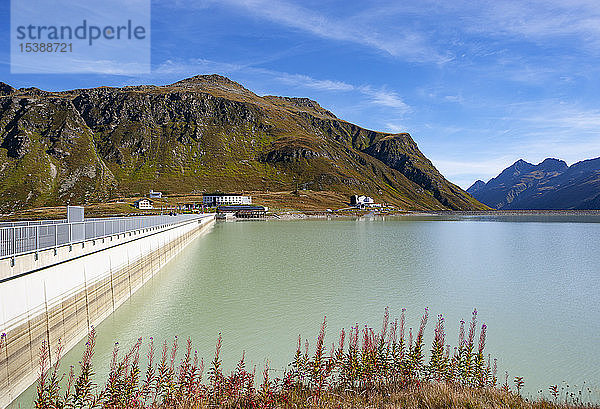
x=217, y=199
x=143, y=204
x=361, y=201
x=154, y=195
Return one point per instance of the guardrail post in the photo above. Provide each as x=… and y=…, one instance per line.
x=37, y=237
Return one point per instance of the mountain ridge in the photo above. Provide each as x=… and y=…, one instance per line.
x=549, y=185
x=206, y=132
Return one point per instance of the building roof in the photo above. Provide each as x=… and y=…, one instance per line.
x=143, y=198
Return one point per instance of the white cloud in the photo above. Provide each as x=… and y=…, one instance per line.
x=367, y=94
x=309, y=82
x=376, y=96
x=562, y=117
x=193, y=67
x=393, y=127
x=384, y=97
x=465, y=172
x=539, y=21
x=453, y=98
x=401, y=41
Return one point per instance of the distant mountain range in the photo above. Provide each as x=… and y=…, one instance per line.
x=203, y=133
x=550, y=184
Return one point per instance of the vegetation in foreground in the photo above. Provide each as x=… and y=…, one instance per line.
x=363, y=369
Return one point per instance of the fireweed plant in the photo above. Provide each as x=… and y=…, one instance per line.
x=365, y=365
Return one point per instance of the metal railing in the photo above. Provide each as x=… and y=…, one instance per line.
x=25, y=237
x=31, y=223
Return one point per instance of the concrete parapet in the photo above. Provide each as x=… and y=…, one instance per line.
x=60, y=293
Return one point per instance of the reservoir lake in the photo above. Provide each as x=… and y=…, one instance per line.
x=534, y=280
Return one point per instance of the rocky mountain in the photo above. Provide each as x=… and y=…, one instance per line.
x=203, y=133
x=550, y=184
x=475, y=187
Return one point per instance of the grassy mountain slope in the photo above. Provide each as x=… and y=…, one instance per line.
x=202, y=133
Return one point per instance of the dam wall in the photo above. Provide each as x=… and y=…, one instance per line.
x=58, y=294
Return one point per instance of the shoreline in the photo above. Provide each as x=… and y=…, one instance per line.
x=348, y=214
x=520, y=212
x=299, y=215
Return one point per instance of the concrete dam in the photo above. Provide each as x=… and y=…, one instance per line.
x=59, y=279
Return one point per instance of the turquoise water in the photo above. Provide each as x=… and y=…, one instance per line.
x=534, y=280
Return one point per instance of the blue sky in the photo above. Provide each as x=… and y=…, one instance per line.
x=477, y=84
